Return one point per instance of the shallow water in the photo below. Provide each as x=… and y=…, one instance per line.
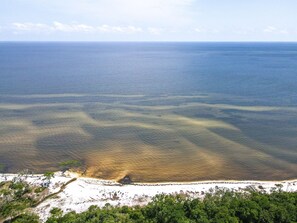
x=155, y=111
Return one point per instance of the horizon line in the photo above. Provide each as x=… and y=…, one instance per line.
x=144, y=41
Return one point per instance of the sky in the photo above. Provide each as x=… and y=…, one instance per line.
x=148, y=20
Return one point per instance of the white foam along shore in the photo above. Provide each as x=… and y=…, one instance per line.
x=83, y=192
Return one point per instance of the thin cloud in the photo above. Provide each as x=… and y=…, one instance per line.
x=119, y=29
x=83, y=28
x=57, y=26
x=275, y=30
x=30, y=27
x=154, y=30
x=149, y=13
x=206, y=30
x=198, y=30
x=269, y=29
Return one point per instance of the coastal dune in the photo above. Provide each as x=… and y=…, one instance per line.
x=76, y=193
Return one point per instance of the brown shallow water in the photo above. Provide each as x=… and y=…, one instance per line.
x=164, y=138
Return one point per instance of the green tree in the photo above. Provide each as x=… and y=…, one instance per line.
x=49, y=175
x=66, y=165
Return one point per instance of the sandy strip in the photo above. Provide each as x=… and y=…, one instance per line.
x=84, y=192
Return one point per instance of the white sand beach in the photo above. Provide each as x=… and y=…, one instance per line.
x=83, y=192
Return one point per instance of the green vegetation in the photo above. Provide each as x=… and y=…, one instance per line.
x=14, y=198
x=220, y=207
x=223, y=206
x=49, y=175
x=17, y=196
x=66, y=165
x=216, y=207
x=26, y=218
x=39, y=189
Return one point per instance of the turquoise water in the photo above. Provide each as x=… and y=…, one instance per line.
x=192, y=111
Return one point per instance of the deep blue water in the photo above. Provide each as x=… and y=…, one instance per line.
x=263, y=70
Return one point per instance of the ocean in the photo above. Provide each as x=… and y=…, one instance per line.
x=154, y=111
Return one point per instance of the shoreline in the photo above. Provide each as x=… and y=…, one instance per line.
x=160, y=183
x=77, y=193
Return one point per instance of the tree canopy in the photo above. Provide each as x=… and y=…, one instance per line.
x=216, y=207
